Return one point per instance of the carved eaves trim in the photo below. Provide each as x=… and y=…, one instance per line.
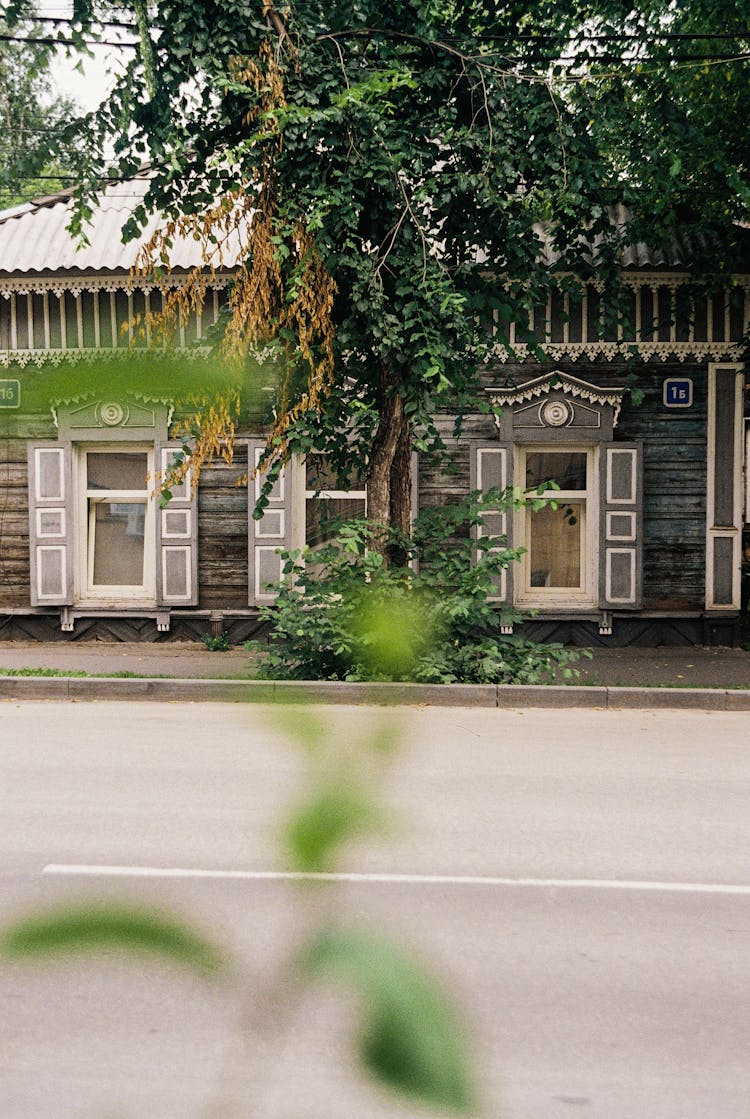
x=76, y=285
x=611, y=351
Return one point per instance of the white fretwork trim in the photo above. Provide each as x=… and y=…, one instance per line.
x=22, y=358
x=663, y=351
x=76, y=285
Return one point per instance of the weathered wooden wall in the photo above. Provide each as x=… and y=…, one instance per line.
x=14, y=524
x=674, y=492
x=223, y=535
x=14, y=503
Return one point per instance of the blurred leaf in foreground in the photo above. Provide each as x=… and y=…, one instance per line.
x=410, y=1038
x=93, y=928
x=391, y=631
x=320, y=828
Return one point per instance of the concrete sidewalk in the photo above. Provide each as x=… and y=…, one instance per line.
x=664, y=676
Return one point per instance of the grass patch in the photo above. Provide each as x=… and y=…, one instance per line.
x=124, y=675
x=67, y=672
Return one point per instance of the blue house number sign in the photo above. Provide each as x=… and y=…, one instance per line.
x=678, y=392
x=10, y=393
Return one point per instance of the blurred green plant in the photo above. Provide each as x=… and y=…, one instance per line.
x=73, y=930
x=410, y=1039
x=342, y=613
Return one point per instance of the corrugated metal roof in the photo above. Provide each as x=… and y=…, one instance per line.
x=34, y=237
x=680, y=254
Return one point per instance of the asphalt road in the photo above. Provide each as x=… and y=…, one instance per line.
x=580, y=880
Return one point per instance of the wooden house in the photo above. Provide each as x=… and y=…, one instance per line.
x=638, y=415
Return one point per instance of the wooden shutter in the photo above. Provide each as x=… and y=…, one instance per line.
x=51, y=523
x=724, y=494
x=621, y=527
x=491, y=468
x=276, y=530
x=176, y=537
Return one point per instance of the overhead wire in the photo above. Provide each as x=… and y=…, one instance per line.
x=515, y=37
x=52, y=41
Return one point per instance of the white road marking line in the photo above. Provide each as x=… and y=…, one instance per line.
x=92, y=871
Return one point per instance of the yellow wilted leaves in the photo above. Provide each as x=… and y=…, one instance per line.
x=281, y=293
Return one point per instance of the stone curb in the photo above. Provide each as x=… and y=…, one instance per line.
x=83, y=689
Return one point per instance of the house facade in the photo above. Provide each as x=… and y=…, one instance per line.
x=639, y=417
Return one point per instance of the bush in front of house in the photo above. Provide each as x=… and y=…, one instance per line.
x=343, y=613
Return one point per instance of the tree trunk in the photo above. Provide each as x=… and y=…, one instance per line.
x=385, y=462
x=401, y=510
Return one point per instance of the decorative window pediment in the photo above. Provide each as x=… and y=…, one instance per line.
x=556, y=406
x=110, y=418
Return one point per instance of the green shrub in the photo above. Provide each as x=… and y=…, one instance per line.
x=342, y=613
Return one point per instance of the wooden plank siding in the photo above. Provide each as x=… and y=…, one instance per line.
x=14, y=524
x=674, y=494
x=222, y=535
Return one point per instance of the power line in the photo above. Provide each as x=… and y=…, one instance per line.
x=50, y=41
x=77, y=23
x=631, y=60
x=527, y=60
x=646, y=37
x=516, y=37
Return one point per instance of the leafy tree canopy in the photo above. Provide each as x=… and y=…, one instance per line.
x=402, y=163
x=32, y=120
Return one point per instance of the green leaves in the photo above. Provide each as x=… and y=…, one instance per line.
x=353, y=618
x=391, y=632
x=410, y=1038
x=335, y=815
x=76, y=930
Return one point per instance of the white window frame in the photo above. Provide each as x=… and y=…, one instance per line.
x=587, y=593
x=86, y=593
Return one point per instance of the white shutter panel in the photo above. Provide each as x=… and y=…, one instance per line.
x=621, y=527
x=276, y=530
x=491, y=469
x=176, y=537
x=51, y=523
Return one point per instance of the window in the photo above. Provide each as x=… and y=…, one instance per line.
x=308, y=499
x=330, y=497
x=559, y=561
x=115, y=523
x=588, y=551
x=96, y=538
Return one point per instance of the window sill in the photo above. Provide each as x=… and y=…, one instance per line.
x=121, y=605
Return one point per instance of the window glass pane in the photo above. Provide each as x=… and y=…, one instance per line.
x=568, y=469
x=555, y=546
x=118, y=541
x=322, y=516
x=118, y=471
x=322, y=475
